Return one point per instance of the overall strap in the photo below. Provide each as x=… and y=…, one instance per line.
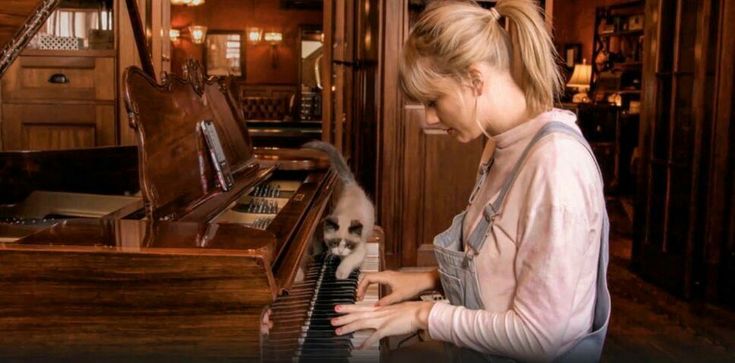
x=477, y=237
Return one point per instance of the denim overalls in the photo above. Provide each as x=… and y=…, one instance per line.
x=459, y=276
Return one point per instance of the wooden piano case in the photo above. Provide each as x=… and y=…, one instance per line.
x=177, y=283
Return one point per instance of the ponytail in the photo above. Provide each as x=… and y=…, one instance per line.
x=534, y=58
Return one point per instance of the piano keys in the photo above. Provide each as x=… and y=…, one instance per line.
x=301, y=329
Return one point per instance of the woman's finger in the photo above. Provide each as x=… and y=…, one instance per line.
x=389, y=299
x=352, y=308
x=368, y=279
x=349, y=318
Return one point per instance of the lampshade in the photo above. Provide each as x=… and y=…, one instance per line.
x=198, y=32
x=581, y=76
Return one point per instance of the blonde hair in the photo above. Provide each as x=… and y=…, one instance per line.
x=450, y=36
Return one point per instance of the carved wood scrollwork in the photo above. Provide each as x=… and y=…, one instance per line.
x=13, y=48
x=194, y=73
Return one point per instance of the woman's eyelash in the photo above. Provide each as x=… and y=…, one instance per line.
x=431, y=103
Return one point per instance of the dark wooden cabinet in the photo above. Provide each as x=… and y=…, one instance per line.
x=59, y=100
x=612, y=132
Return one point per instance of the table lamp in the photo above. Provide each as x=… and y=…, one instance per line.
x=581, y=80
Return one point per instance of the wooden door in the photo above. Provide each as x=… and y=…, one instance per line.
x=676, y=117
x=719, y=235
x=424, y=179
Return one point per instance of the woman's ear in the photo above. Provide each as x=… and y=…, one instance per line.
x=476, y=80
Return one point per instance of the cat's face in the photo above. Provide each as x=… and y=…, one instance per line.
x=342, y=236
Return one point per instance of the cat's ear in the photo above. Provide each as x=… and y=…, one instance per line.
x=355, y=227
x=330, y=224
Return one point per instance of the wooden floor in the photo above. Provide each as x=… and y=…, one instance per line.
x=649, y=325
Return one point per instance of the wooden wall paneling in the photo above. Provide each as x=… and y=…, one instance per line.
x=348, y=57
x=720, y=226
x=364, y=138
x=160, y=43
x=413, y=199
x=327, y=69
x=338, y=73
x=394, y=27
x=439, y=173
x=702, y=95
x=646, y=136
x=127, y=55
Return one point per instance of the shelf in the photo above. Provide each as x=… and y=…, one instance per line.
x=69, y=53
x=621, y=33
x=628, y=64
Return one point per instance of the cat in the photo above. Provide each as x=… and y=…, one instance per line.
x=348, y=227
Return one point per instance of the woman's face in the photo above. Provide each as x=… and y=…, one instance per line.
x=454, y=114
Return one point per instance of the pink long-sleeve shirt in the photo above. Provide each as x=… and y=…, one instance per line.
x=537, y=269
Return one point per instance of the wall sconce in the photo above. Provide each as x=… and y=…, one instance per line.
x=187, y=2
x=274, y=38
x=198, y=32
x=255, y=35
x=174, y=34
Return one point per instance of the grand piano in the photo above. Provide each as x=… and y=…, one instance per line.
x=142, y=253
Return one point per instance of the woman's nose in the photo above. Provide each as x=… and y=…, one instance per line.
x=431, y=118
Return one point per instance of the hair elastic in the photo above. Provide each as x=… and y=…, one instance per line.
x=494, y=14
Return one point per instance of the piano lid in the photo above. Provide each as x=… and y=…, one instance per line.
x=19, y=22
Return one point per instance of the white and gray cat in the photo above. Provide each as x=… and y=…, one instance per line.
x=351, y=223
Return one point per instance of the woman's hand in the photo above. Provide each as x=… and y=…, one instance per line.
x=403, y=285
x=398, y=319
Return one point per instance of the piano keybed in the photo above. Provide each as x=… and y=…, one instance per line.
x=302, y=331
x=258, y=208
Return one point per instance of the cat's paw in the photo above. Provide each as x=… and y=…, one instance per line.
x=343, y=272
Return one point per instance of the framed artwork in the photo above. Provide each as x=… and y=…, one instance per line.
x=635, y=22
x=572, y=54
x=224, y=53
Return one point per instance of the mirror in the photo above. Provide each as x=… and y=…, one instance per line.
x=224, y=53
x=310, y=72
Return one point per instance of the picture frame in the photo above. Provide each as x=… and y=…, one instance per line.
x=224, y=53
x=635, y=22
x=572, y=54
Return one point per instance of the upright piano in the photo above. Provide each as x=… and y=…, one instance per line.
x=140, y=253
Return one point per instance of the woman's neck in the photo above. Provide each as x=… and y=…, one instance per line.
x=506, y=105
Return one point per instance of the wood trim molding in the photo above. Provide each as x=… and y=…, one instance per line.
x=394, y=26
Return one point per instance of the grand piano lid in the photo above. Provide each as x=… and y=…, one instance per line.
x=19, y=22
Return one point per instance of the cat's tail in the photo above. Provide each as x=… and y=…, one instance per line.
x=338, y=162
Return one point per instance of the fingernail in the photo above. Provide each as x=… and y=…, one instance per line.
x=338, y=308
x=334, y=321
x=338, y=331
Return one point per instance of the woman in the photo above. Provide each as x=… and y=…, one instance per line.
x=524, y=266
